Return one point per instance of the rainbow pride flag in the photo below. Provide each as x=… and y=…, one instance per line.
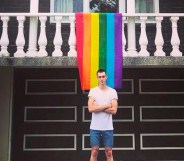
x=99, y=45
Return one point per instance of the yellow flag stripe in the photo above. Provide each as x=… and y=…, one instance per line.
x=94, y=49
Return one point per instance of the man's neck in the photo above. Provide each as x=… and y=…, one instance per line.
x=103, y=87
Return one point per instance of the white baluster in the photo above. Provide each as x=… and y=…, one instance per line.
x=20, y=41
x=33, y=29
x=175, y=41
x=33, y=33
x=42, y=41
x=58, y=39
x=4, y=37
x=143, y=41
x=131, y=37
x=124, y=38
x=72, y=38
x=159, y=38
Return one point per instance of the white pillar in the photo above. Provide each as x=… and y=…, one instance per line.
x=86, y=6
x=131, y=6
x=20, y=42
x=156, y=4
x=122, y=6
x=4, y=37
x=175, y=41
x=72, y=38
x=32, y=49
x=42, y=41
x=131, y=29
x=143, y=41
x=159, y=41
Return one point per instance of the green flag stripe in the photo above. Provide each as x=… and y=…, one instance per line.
x=102, y=40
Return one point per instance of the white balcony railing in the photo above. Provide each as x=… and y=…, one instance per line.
x=38, y=40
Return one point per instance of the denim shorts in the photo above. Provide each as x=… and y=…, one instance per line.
x=98, y=136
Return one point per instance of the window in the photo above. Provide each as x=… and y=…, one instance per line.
x=72, y=6
x=141, y=6
x=66, y=6
x=110, y=6
x=146, y=6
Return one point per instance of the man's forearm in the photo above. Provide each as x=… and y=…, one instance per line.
x=111, y=110
x=98, y=108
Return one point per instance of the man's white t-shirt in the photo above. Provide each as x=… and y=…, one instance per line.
x=102, y=120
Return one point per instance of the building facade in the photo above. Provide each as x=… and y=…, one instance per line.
x=43, y=111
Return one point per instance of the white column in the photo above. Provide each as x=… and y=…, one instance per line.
x=143, y=41
x=123, y=37
x=4, y=37
x=156, y=4
x=130, y=6
x=122, y=6
x=72, y=38
x=20, y=42
x=131, y=29
x=58, y=39
x=86, y=5
x=32, y=49
x=175, y=41
x=42, y=41
x=159, y=42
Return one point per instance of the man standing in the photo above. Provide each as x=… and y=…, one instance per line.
x=102, y=103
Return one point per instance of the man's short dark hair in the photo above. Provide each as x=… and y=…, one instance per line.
x=100, y=71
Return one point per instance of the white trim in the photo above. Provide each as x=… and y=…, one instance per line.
x=156, y=6
x=49, y=135
x=34, y=6
x=159, y=120
x=50, y=107
x=122, y=6
x=86, y=7
x=131, y=6
x=159, y=148
x=51, y=6
x=132, y=86
x=50, y=93
x=157, y=80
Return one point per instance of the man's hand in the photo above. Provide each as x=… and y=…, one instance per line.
x=112, y=108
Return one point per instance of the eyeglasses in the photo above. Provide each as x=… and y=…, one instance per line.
x=101, y=76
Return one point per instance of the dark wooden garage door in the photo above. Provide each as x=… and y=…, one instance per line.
x=51, y=121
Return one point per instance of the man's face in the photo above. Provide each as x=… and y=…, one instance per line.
x=102, y=78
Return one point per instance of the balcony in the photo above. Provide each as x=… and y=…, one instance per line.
x=48, y=39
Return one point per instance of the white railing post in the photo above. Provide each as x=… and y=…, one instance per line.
x=124, y=38
x=33, y=31
x=143, y=41
x=20, y=41
x=175, y=41
x=42, y=41
x=4, y=37
x=58, y=39
x=32, y=50
x=159, y=38
x=72, y=38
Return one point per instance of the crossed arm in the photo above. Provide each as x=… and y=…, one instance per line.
x=109, y=108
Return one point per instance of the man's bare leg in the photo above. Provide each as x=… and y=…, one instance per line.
x=108, y=153
x=94, y=153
